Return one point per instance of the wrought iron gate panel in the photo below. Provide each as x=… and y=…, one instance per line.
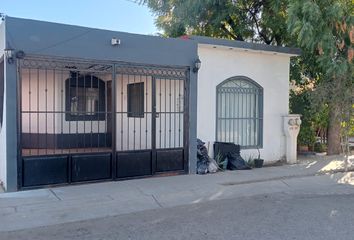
x=89, y=120
x=170, y=113
x=64, y=107
x=133, y=131
x=158, y=122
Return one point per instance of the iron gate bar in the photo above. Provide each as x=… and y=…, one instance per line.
x=186, y=126
x=121, y=129
x=46, y=109
x=174, y=110
x=139, y=100
x=165, y=116
x=169, y=130
x=19, y=125
x=85, y=97
x=128, y=121
x=153, y=125
x=77, y=94
x=54, y=126
x=29, y=100
x=146, y=119
x=134, y=130
x=98, y=124
x=160, y=108
x=62, y=106
x=113, y=122
x=179, y=118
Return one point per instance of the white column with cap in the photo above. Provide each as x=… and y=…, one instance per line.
x=292, y=124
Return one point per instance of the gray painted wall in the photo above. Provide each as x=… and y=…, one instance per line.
x=11, y=126
x=3, y=158
x=37, y=37
x=59, y=40
x=11, y=117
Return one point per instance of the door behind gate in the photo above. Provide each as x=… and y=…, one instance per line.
x=150, y=121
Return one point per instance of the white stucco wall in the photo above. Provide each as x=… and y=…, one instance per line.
x=269, y=70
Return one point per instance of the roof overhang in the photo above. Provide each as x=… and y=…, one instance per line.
x=245, y=46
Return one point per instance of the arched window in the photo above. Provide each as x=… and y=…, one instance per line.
x=239, y=112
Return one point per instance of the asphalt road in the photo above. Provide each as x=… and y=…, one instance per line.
x=277, y=216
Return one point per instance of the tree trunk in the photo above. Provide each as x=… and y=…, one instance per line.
x=334, y=130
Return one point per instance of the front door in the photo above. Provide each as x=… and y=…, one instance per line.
x=169, y=123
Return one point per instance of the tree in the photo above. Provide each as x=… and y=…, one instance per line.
x=304, y=75
x=325, y=29
x=258, y=21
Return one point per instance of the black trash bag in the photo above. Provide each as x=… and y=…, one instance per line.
x=200, y=143
x=236, y=162
x=203, y=158
x=202, y=166
x=222, y=149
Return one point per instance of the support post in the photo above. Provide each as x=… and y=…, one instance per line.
x=292, y=124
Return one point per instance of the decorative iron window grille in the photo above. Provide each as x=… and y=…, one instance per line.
x=239, y=117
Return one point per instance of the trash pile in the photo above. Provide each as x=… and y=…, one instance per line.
x=227, y=155
x=205, y=164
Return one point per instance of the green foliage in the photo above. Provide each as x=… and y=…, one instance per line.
x=349, y=126
x=250, y=162
x=324, y=29
x=299, y=103
x=259, y=21
x=306, y=135
x=221, y=163
x=320, y=147
x=314, y=115
x=351, y=131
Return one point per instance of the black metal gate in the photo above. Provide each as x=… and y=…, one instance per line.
x=150, y=116
x=89, y=121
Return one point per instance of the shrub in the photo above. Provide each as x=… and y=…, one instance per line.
x=320, y=147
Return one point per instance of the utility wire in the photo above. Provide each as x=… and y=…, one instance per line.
x=12, y=43
x=64, y=41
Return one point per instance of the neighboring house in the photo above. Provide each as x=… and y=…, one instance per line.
x=243, y=93
x=80, y=104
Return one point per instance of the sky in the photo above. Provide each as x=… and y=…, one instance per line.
x=117, y=15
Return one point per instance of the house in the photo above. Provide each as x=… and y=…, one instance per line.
x=81, y=104
x=243, y=95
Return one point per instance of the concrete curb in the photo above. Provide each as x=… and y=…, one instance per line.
x=290, y=177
